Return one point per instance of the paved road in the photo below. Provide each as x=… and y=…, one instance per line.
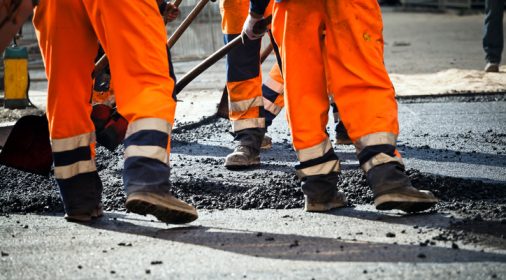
x=455, y=138
x=445, y=137
x=235, y=244
x=458, y=139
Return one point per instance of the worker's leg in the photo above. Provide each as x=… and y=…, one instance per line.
x=68, y=46
x=493, y=38
x=297, y=30
x=272, y=91
x=133, y=37
x=244, y=84
x=366, y=100
x=339, y=128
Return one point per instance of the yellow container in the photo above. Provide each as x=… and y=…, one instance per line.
x=16, y=78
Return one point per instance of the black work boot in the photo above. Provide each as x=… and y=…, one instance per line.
x=83, y=200
x=393, y=190
x=321, y=194
x=247, y=152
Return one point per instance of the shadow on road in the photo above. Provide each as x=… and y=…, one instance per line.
x=446, y=155
x=490, y=233
x=295, y=247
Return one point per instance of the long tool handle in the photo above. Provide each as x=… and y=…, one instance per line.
x=219, y=54
x=197, y=70
x=186, y=23
x=103, y=61
x=266, y=52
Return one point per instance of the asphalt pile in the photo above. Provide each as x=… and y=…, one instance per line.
x=198, y=177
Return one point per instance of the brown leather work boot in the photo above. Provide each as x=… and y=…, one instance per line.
x=242, y=157
x=393, y=190
x=164, y=206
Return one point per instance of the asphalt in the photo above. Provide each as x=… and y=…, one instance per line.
x=353, y=243
x=251, y=224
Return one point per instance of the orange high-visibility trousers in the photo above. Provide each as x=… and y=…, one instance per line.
x=244, y=78
x=69, y=32
x=133, y=36
x=358, y=79
x=273, y=90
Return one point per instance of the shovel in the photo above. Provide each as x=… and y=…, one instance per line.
x=25, y=145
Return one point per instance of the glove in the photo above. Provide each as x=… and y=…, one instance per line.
x=171, y=12
x=254, y=27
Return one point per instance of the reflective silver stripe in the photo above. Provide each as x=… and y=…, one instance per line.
x=71, y=143
x=320, y=169
x=153, y=152
x=274, y=85
x=148, y=124
x=271, y=107
x=248, y=123
x=378, y=159
x=244, y=105
x=315, y=151
x=71, y=170
x=378, y=138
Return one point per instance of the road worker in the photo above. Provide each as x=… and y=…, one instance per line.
x=493, y=35
x=272, y=91
x=110, y=126
x=362, y=91
x=244, y=85
x=133, y=36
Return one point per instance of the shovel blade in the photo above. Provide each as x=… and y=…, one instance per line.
x=27, y=147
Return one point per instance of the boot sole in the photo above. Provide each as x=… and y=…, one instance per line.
x=85, y=218
x=340, y=201
x=323, y=207
x=405, y=203
x=250, y=164
x=162, y=209
x=242, y=167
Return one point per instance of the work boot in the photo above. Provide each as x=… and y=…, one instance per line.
x=342, y=137
x=146, y=173
x=393, y=190
x=242, y=157
x=82, y=201
x=247, y=153
x=164, y=206
x=266, y=143
x=321, y=194
x=492, y=67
